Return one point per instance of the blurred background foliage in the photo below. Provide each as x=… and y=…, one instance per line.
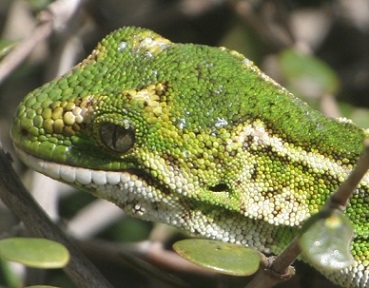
x=317, y=49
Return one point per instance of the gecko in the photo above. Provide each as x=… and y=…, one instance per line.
x=196, y=137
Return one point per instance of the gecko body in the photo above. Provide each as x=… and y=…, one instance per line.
x=196, y=137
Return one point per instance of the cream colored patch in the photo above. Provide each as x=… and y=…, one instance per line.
x=259, y=203
x=150, y=97
x=152, y=46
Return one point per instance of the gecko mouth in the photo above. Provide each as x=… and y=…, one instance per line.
x=93, y=179
x=83, y=177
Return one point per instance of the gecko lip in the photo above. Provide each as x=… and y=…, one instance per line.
x=81, y=176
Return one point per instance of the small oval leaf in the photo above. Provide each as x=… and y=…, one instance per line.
x=217, y=256
x=34, y=252
x=307, y=74
x=41, y=286
x=326, y=241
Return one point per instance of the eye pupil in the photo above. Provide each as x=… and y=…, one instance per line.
x=117, y=138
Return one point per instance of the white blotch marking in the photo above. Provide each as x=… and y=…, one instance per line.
x=122, y=46
x=221, y=122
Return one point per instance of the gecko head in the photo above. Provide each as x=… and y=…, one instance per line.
x=141, y=122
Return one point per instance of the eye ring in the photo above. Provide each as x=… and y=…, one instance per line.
x=117, y=138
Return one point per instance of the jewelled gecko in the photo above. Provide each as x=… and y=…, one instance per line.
x=196, y=137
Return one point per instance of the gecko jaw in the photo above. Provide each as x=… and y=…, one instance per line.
x=93, y=178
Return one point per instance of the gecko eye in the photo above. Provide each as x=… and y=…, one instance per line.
x=117, y=138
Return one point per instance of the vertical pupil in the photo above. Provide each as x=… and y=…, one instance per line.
x=116, y=137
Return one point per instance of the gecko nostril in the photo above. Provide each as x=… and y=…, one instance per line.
x=24, y=132
x=221, y=187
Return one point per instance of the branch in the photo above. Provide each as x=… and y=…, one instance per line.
x=12, y=192
x=53, y=18
x=341, y=196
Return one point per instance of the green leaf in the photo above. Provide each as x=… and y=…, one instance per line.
x=34, y=252
x=6, y=46
x=8, y=277
x=307, y=74
x=38, y=5
x=326, y=239
x=360, y=116
x=217, y=256
x=41, y=286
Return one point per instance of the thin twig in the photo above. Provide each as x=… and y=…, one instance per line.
x=10, y=62
x=54, y=17
x=274, y=270
x=270, y=22
x=341, y=196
